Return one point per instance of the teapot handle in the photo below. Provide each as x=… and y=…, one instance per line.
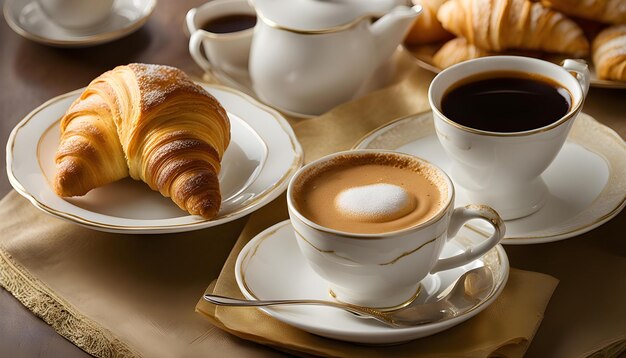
x=195, y=44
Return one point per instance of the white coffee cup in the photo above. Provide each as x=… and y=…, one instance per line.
x=77, y=14
x=503, y=170
x=384, y=270
x=226, y=52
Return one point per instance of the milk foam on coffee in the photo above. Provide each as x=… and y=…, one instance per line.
x=370, y=193
x=376, y=202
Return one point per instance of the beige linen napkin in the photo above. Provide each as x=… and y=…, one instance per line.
x=116, y=295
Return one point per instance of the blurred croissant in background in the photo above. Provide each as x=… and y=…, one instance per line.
x=427, y=28
x=498, y=25
x=538, y=28
x=609, y=53
x=457, y=50
x=606, y=11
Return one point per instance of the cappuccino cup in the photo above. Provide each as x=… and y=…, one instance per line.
x=500, y=145
x=221, y=36
x=373, y=224
x=77, y=14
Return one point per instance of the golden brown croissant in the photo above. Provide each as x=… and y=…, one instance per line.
x=457, y=50
x=427, y=28
x=609, y=53
x=607, y=11
x=172, y=135
x=89, y=154
x=498, y=25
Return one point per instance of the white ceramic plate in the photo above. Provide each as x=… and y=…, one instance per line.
x=587, y=180
x=27, y=19
x=424, y=56
x=262, y=156
x=271, y=266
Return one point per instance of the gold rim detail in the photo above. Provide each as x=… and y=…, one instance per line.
x=328, y=30
x=400, y=305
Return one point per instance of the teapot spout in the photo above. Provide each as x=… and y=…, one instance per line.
x=389, y=30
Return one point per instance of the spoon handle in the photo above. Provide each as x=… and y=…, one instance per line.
x=363, y=312
x=230, y=301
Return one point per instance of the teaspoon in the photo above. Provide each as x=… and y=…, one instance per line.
x=469, y=290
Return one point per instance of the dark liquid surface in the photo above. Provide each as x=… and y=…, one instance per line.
x=230, y=23
x=506, y=102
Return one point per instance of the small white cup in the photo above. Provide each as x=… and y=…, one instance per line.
x=77, y=14
x=226, y=52
x=385, y=270
x=503, y=170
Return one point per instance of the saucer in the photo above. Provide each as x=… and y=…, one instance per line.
x=28, y=20
x=271, y=266
x=261, y=158
x=587, y=180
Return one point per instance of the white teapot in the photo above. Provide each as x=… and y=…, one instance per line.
x=308, y=56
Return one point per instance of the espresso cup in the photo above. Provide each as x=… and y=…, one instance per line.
x=381, y=259
x=227, y=52
x=503, y=169
x=77, y=14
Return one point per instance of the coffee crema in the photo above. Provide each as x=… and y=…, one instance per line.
x=370, y=193
x=506, y=101
x=229, y=23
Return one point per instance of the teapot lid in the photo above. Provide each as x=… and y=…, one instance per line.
x=318, y=16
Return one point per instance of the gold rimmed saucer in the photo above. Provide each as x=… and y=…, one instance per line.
x=271, y=266
x=27, y=19
x=261, y=158
x=587, y=180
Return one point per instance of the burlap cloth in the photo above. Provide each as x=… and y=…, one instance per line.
x=124, y=295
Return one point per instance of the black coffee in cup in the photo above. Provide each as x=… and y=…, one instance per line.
x=230, y=23
x=506, y=102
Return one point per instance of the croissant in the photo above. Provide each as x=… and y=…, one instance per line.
x=609, y=53
x=153, y=123
x=427, y=28
x=607, y=11
x=498, y=25
x=89, y=154
x=455, y=51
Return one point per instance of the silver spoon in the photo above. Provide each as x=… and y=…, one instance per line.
x=468, y=291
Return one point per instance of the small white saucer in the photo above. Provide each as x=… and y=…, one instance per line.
x=271, y=266
x=587, y=180
x=28, y=20
x=262, y=156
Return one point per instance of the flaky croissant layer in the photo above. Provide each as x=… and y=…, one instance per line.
x=151, y=122
x=498, y=25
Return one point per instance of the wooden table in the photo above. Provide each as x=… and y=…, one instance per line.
x=31, y=73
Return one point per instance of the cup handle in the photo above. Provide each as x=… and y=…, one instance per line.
x=581, y=71
x=195, y=44
x=459, y=217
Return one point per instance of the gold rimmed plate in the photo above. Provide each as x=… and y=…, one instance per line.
x=424, y=57
x=261, y=158
x=27, y=19
x=271, y=266
x=587, y=180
